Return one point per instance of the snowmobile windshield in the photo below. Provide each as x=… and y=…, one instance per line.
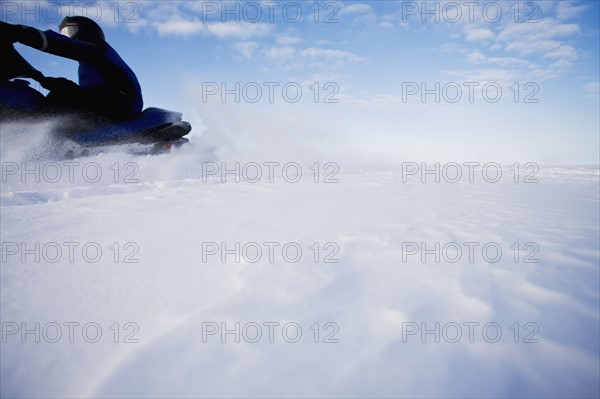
x=70, y=30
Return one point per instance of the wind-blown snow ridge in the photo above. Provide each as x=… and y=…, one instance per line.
x=373, y=293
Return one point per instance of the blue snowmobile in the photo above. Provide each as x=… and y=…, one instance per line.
x=89, y=121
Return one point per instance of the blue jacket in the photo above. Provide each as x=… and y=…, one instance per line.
x=100, y=67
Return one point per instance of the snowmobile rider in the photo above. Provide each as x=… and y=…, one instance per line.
x=107, y=86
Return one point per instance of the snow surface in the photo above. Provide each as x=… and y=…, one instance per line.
x=372, y=294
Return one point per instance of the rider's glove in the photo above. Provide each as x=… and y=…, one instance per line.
x=27, y=35
x=60, y=85
x=9, y=32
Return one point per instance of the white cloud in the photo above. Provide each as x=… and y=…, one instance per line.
x=178, y=27
x=543, y=30
x=547, y=38
x=238, y=30
x=559, y=66
x=246, y=49
x=359, y=13
x=566, y=10
x=477, y=57
x=549, y=48
x=314, y=52
x=451, y=48
x=286, y=40
x=280, y=52
x=358, y=8
x=321, y=60
x=503, y=76
x=592, y=87
x=563, y=51
x=479, y=34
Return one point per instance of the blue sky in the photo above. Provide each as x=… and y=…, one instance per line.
x=372, y=54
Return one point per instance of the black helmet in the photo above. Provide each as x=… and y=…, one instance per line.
x=81, y=28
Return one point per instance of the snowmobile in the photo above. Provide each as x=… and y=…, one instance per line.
x=153, y=131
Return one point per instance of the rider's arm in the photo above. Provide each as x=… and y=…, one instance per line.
x=64, y=46
x=54, y=43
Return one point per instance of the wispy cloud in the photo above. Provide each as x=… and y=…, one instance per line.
x=358, y=13
x=286, y=40
x=357, y=8
x=238, y=30
x=178, y=26
x=567, y=10
x=478, y=57
x=280, y=52
x=246, y=49
x=592, y=88
x=537, y=38
x=322, y=53
x=507, y=50
x=479, y=34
